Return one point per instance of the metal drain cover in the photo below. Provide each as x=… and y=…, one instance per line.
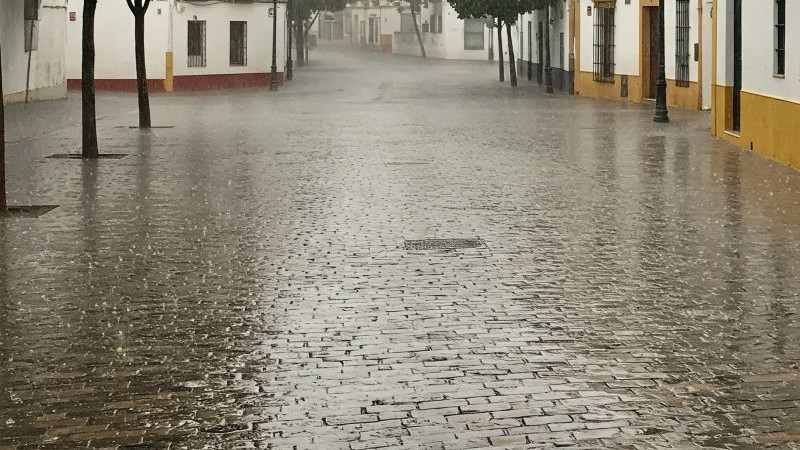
x=442, y=244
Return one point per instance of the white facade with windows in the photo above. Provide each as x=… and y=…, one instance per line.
x=47, y=59
x=197, y=45
x=446, y=36
x=531, y=29
x=369, y=24
x=616, y=50
x=756, y=72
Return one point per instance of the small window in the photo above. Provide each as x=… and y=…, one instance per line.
x=780, y=37
x=682, y=55
x=31, y=30
x=604, y=44
x=31, y=9
x=197, y=43
x=561, y=51
x=473, y=34
x=238, y=43
x=407, y=23
x=31, y=35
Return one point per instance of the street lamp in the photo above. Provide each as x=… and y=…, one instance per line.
x=273, y=85
x=662, y=114
x=289, y=62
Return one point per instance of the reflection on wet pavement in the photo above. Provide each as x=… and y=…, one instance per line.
x=241, y=280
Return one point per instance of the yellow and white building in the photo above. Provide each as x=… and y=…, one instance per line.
x=756, y=76
x=616, y=43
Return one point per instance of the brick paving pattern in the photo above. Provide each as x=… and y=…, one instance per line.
x=242, y=280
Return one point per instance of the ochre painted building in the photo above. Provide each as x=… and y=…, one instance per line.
x=616, y=43
x=756, y=67
x=189, y=45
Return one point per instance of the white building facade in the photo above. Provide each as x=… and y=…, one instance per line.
x=445, y=36
x=616, y=50
x=531, y=45
x=40, y=36
x=188, y=45
x=370, y=24
x=756, y=76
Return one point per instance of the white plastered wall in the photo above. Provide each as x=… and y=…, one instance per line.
x=114, y=39
x=47, y=62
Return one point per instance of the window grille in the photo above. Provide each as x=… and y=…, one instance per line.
x=238, y=43
x=780, y=37
x=31, y=35
x=473, y=34
x=604, y=44
x=197, y=43
x=682, y=54
x=407, y=23
x=561, y=51
x=32, y=9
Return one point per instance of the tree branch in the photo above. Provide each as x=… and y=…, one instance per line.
x=311, y=24
x=146, y=5
x=131, y=7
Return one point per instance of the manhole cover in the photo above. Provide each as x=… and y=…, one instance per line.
x=226, y=428
x=31, y=211
x=408, y=163
x=79, y=156
x=442, y=244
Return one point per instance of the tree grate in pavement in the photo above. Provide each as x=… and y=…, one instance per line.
x=408, y=163
x=443, y=244
x=79, y=156
x=28, y=211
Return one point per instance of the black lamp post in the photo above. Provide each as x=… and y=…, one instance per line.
x=662, y=114
x=273, y=85
x=289, y=62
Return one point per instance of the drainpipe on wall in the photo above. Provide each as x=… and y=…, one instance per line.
x=169, y=56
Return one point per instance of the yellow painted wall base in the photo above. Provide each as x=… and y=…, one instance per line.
x=677, y=97
x=773, y=126
x=686, y=97
x=587, y=87
x=169, y=78
x=769, y=124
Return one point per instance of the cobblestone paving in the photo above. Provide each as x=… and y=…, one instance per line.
x=241, y=280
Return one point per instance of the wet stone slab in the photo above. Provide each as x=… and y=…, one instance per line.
x=243, y=281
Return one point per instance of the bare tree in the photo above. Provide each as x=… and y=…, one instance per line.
x=3, y=203
x=415, y=8
x=512, y=62
x=89, y=124
x=500, y=62
x=139, y=9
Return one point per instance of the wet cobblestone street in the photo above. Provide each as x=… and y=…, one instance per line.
x=241, y=280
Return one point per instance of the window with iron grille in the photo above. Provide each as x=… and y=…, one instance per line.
x=197, y=43
x=473, y=34
x=604, y=44
x=31, y=35
x=31, y=26
x=238, y=43
x=407, y=23
x=31, y=9
x=780, y=37
x=436, y=23
x=682, y=56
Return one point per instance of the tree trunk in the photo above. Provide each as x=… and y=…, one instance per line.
x=3, y=203
x=500, y=63
x=512, y=69
x=548, y=72
x=301, y=46
x=89, y=124
x=306, y=30
x=416, y=29
x=141, y=73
